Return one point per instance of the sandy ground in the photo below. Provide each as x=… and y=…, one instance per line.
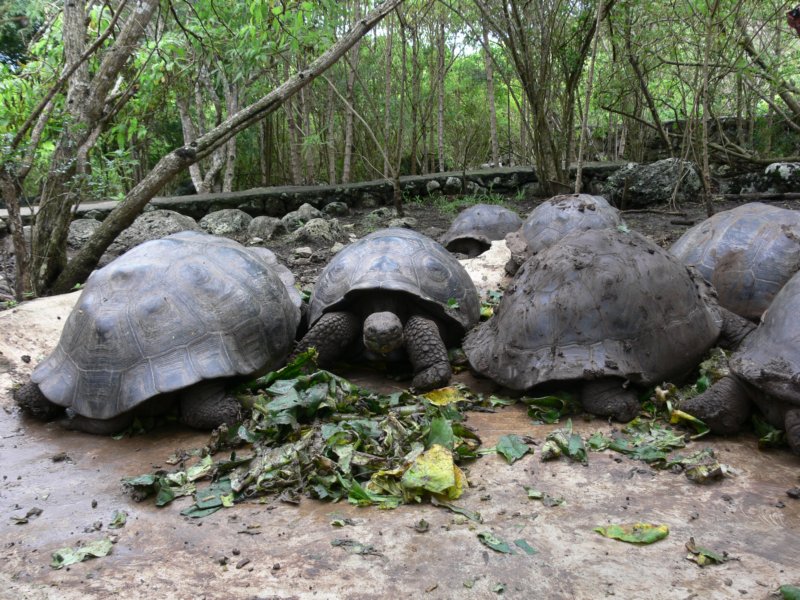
x=275, y=550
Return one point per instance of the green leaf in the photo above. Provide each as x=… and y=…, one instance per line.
x=441, y=432
x=635, y=533
x=790, y=592
x=512, y=448
x=69, y=556
x=488, y=539
x=526, y=547
x=703, y=556
x=118, y=520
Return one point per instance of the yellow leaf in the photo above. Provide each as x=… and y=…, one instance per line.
x=444, y=396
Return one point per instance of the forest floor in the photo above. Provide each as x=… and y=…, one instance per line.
x=61, y=489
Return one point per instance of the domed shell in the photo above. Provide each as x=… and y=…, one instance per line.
x=747, y=253
x=483, y=223
x=165, y=315
x=400, y=260
x=599, y=303
x=554, y=218
x=769, y=358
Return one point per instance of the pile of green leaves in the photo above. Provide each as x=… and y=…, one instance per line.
x=316, y=434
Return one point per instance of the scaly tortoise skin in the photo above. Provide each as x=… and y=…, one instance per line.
x=603, y=308
x=765, y=370
x=394, y=288
x=182, y=313
x=747, y=253
x=475, y=228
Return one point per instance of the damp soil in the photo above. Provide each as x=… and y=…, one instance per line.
x=270, y=549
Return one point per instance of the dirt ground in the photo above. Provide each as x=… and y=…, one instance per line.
x=275, y=550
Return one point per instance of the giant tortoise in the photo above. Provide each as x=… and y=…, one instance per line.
x=475, y=228
x=607, y=309
x=765, y=370
x=747, y=253
x=173, y=318
x=556, y=217
x=394, y=288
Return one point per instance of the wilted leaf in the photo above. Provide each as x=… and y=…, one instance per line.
x=768, y=436
x=549, y=409
x=470, y=514
x=432, y=471
x=704, y=556
x=444, y=396
x=69, y=556
x=512, y=448
x=678, y=416
x=422, y=526
x=488, y=539
x=355, y=547
x=546, y=498
x=118, y=520
x=635, y=533
x=526, y=547
x=550, y=451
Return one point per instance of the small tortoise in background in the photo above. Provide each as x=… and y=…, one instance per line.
x=765, y=370
x=747, y=253
x=602, y=308
x=475, y=228
x=180, y=314
x=554, y=218
x=394, y=288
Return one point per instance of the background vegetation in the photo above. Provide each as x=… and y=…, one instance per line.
x=93, y=98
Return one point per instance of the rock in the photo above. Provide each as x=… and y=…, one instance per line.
x=452, y=185
x=336, y=247
x=80, y=230
x=486, y=270
x=336, y=209
x=783, y=177
x=3, y=227
x=265, y=228
x=635, y=185
x=407, y=222
x=303, y=252
x=228, y=221
x=433, y=186
x=318, y=232
x=369, y=201
x=380, y=216
x=297, y=218
x=151, y=225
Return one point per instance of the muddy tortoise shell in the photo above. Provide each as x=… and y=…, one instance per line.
x=556, y=217
x=747, y=253
x=165, y=315
x=399, y=260
x=769, y=358
x=601, y=302
x=483, y=223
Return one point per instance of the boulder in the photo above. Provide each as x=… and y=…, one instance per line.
x=639, y=185
x=319, y=232
x=228, y=221
x=265, y=228
x=151, y=225
x=336, y=209
x=297, y=218
x=80, y=230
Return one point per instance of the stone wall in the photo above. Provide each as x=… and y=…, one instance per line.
x=277, y=201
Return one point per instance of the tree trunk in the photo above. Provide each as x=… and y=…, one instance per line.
x=87, y=102
x=126, y=212
x=440, y=91
x=349, y=116
x=387, y=99
x=487, y=62
x=587, y=102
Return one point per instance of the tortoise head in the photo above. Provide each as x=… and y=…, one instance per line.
x=383, y=332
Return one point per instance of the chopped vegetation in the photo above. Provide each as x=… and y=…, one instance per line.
x=634, y=533
x=317, y=434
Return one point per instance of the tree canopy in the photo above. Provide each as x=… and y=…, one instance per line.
x=129, y=98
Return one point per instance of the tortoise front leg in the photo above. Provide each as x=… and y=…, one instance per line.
x=427, y=353
x=331, y=335
x=608, y=397
x=33, y=402
x=792, y=423
x=725, y=407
